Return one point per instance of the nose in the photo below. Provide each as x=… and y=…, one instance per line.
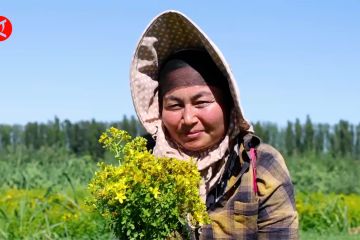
x=189, y=115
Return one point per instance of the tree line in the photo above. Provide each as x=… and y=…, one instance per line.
x=296, y=138
x=340, y=140
x=80, y=138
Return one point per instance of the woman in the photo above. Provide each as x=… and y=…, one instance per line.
x=186, y=97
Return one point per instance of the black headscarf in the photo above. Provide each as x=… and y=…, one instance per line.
x=201, y=62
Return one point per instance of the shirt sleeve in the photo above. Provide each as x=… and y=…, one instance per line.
x=277, y=216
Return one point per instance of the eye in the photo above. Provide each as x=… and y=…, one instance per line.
x=202, y=103
x=173, y=106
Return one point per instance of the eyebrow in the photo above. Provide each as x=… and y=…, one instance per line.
x=196, y=96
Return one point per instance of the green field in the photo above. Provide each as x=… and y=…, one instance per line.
x=42, y=214
x=45, y=169
x=43, y=195
x=324, y=236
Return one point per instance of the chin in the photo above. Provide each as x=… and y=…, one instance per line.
x=194, y=147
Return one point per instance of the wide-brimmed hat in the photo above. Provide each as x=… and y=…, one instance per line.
x=167, y=33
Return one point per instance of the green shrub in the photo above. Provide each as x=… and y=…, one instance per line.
x=40, y=214
x=328, y=212
x=323, y=173
x=146, y=197
x=44, y=168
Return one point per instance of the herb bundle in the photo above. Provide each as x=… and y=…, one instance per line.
x=146, y=197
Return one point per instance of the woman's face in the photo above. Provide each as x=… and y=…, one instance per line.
x=195, y=116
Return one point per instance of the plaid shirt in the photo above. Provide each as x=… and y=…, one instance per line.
x=239, y=212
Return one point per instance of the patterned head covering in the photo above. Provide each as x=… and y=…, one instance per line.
x=168, y=33
x=196, y=59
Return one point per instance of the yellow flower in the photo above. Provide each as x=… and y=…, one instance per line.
x=67, y=217
x=120, y=196
x=155, y=191
x=102, y=138
x=139, y=172
x=121, y=185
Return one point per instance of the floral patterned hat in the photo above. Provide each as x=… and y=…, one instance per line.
x=167, y=33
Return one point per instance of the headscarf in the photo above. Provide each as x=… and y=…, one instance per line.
x=197, y=59
x=167, y=34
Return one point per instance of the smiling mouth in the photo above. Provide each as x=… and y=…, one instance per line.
x=193, y=134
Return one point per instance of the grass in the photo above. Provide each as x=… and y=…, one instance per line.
x=43, y=195
x=311, y=235
x=40, y=214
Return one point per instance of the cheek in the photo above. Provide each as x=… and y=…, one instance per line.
x=170, y=119
x=213, y=117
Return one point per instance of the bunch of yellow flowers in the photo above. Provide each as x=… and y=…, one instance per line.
x=145, y=197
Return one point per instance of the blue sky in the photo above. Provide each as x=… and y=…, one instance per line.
x=290, y=58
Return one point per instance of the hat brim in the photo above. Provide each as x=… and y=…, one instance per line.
x=167, y=33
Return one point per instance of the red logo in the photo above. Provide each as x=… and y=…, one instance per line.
x=5, y=28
